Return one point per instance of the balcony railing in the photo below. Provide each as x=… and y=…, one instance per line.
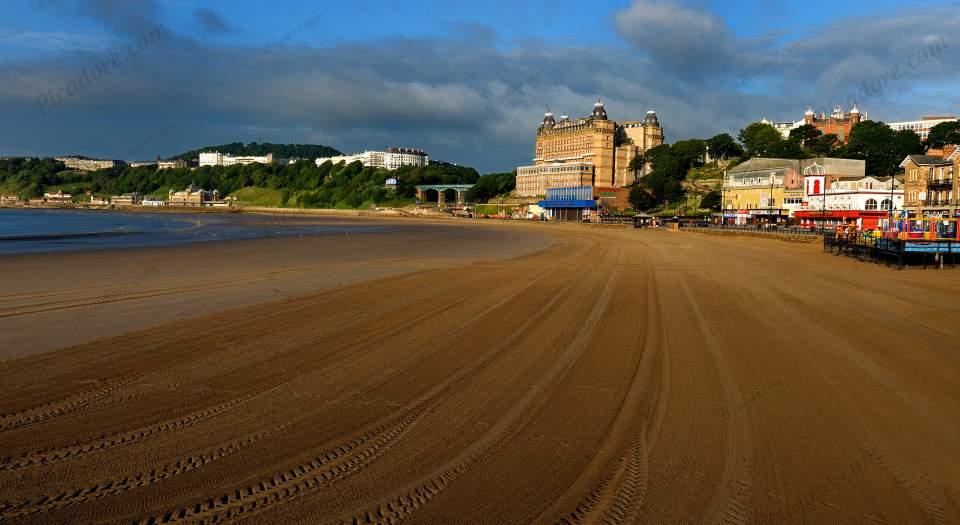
x=938, y=202
x=937, y=181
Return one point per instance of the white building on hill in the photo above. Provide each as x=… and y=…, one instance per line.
x=215, y=158
x=921, y=127
x=390, y=159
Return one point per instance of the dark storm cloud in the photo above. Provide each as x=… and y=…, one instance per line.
x=211, y=21
x=819, y=66
x=444, y=96
x=463, y=99
x=843, y=54
x=121, y=16
x=691, y=44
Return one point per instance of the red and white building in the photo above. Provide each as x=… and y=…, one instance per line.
x=858, y=201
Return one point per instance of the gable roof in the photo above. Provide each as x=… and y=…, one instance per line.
x=763, y=163
x=926, y=160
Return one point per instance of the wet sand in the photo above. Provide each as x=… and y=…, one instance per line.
x=92, y=294
x=580, y=375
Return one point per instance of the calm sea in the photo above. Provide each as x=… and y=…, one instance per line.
x=23, y=231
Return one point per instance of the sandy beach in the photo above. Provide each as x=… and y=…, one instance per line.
x=455, y=372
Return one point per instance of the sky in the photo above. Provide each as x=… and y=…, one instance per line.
x=466, y=81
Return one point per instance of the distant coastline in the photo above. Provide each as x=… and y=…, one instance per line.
x=49, y=229
x=261, y=210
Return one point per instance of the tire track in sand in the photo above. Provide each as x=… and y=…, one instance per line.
x=135, y=481
x=734, y=492
x=45, y=457
x=98, y=396
x=111, y=487
x=346, y=459
x=64, y=406
x=418, y=494
x=164, y=472
x=921, y=489
x=621, y=493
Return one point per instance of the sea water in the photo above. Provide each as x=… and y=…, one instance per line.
x=47, y=230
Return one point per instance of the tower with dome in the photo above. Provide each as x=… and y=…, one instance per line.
x=590, y=151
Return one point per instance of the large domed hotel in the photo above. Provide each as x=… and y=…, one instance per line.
x=590, y=151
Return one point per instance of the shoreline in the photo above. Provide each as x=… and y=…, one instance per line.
x=239, y=210
x=100, y=292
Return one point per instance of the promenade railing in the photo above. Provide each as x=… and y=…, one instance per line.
x=763, y=229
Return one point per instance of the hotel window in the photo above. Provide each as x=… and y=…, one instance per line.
x=871, y=204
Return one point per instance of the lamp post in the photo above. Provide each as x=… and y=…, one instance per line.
x=823, y=211
x=893, y=180
x=723, y=200
x=770, y=201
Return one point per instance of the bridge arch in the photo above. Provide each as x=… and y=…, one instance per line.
x=441, y=189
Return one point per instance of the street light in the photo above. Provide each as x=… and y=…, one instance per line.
x=823, y=211
x=723, y=200
x=893, y=180
x=770, y=201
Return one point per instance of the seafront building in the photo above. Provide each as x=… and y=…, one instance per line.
x=933, y=184
x=838, y=123
x=85, y=164
x=10, y=200
x=391, y=158
x=215, y=158
x=813, y=191
x=569, y=204
x=127, y=200
x=58, y=197
x=763, y=188
x=857, y=200
x=171, y=164
x=923, y=126
x=592, y=151
x=193, y=196
x=536, y=180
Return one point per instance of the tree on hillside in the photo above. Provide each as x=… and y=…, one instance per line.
x=667, y=168
x=882, y=148
x=640, y=198
x=824, y=145
x=637, y=164
x=299, y=184
x=943, y=134
x=758, y=139
x=673, y=191
x=689, y=152
x=286, y=151
x=786, y=149
x=905, y=142
x=805, y=135
x=492, y=185
x=654, y=154
x=723, y=146
x=408, y=177
x=711, y=201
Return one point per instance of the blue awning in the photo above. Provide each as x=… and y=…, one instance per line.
x=567, y=204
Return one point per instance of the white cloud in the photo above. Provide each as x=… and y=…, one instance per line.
x=55, y=40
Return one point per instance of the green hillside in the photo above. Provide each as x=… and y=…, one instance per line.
x=302, y=184
x=285, y=151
